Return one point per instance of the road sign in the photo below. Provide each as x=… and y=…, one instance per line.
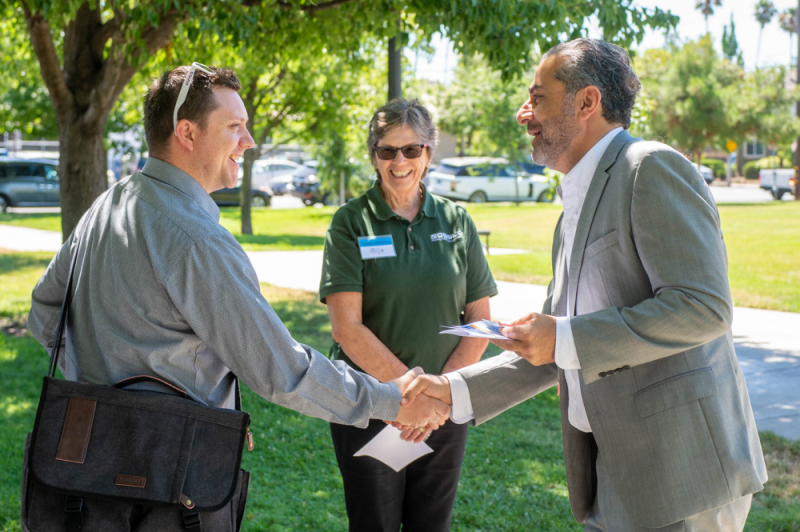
x=731, y=146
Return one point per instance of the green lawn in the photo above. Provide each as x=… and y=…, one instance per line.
x=513, y=477
x=763, y=242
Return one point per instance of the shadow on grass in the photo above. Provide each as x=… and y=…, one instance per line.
x=513, y=476
x=11, y=262
x=282, y=241
x=20, y=217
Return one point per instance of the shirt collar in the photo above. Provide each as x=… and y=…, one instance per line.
x=177, y=178
x=382, y=210
x=581, y=174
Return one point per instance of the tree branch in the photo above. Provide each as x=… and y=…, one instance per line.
x=49, y=64
x=118, y=69
x=308, y=8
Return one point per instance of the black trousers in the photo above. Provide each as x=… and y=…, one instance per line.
x=420, y=497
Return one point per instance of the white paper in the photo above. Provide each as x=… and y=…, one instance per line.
x=392, y=451
x=478, y=329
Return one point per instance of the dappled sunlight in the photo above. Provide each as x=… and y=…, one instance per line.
x=12, y=406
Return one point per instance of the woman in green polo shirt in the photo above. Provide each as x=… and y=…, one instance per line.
x=399, y=263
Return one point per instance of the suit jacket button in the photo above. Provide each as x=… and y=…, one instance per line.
x=603, y=374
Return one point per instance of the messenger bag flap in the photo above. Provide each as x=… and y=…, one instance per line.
x=144, y=447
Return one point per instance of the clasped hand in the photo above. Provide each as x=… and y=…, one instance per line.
x=417, y=419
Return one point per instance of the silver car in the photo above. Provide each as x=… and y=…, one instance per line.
x=28, y=183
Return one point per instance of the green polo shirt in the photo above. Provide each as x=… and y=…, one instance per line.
x=439, y=267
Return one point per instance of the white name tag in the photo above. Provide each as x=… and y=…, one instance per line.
x=375, y=247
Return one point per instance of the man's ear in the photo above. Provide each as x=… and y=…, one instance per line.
x=185, y=134
x=588, y=102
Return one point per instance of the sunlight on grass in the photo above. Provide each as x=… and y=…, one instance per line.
x=11, y=405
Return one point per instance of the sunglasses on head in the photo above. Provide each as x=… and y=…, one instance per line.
x=187, y=83
x=386, y=153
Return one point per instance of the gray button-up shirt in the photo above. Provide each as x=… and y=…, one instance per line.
x=160, y=288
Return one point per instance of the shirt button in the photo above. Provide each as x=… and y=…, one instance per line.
x=409, y=228
x=574, y=362
x=411, y=248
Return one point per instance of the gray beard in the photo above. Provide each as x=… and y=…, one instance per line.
x=561, y=130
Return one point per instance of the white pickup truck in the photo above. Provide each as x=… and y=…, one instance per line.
x=777, y=181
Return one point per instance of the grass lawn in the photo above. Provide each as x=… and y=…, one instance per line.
x=763, y=242
x=513, y=477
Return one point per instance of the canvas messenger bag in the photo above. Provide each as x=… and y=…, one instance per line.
x=106, y=458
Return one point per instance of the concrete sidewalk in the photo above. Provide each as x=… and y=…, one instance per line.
x=767, y=343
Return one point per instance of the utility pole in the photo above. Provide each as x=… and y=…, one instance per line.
x=797, y=109
x=395, y=69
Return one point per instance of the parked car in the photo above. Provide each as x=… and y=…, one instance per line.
x=275, y=173
x=481, y=179
x=229, y=197
x=305, y=184
x=310, y=193
x=28, y=183
x=706, y=173
x=778, y=181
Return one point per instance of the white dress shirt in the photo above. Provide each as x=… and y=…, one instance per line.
x=573, y=193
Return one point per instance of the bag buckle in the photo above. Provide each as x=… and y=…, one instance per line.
x=191, y=520
x=73, y=504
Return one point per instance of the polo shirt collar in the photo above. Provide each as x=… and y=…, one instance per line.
x=177, y=178
x=382, y=210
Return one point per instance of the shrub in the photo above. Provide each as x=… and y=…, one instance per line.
x=717, y=166
x=752, y=168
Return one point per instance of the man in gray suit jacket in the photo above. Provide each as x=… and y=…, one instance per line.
x=636, y=329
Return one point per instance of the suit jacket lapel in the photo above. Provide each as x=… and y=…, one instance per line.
x=593, y=195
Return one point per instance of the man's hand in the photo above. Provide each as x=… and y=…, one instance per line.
x=421, y=417
x=426, y=412
x=532, y=337
x=430, y=385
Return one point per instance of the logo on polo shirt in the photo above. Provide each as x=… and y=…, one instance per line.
x=458, y=235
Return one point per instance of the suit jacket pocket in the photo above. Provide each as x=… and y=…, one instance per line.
x=675, y=391
x=600, y=244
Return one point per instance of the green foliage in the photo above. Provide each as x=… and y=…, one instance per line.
x=479, y=108
x=717, y=167
x=730, y=46
x=765, y=11
x=693, y=99
x=752, y=168
x=685, y=88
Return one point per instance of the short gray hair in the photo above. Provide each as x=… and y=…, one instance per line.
x=605, y=65
x=402, y=112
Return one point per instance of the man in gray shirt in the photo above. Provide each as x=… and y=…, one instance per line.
x=160, y=288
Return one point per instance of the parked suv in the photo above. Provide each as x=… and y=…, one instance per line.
x=28, y=183
x=481, y=179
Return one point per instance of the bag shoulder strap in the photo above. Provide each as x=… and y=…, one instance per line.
x=62, y=321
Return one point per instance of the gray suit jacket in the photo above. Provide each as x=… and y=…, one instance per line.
x=651, y=307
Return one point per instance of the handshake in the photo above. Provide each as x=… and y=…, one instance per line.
x=425, y=405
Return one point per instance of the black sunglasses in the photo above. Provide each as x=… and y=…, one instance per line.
x=386, y=153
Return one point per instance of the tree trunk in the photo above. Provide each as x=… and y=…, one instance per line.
x=250, y=157
x=83, y=92
x=82, y=169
